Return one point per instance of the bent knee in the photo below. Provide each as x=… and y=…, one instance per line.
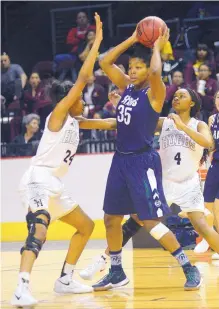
x=87, y=227
x=111, y=220
x=38, y=224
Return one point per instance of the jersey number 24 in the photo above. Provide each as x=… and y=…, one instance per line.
x=124, y=114
x=69, y=157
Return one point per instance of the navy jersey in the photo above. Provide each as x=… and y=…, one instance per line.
x=215, y=133
x=136, y=120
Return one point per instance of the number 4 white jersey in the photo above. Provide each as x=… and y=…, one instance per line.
x=180, y=155
x=57, y=149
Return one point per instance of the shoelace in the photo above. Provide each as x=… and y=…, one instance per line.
x=192, y=276
x=108, y=276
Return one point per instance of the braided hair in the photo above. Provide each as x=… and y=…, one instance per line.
x=194, y=113
x=197, y=100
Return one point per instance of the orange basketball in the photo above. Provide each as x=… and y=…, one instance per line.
x=148, y=30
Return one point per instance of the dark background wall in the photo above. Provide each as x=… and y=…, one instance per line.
x=26, y=26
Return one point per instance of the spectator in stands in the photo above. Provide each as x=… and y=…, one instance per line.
x=203, y=55
x=78, y=34
x=34, y=97
x=13, y=80
x=84, y=48
x=206, y=87
x=94, y=96
x=75, y=36
x=26, y=143
x=169, y=63
x=177, y=83
x=3, y=100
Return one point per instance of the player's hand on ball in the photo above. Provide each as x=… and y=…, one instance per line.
x=177, y=120
x=99, y=27
x=134, y=37
x=162, y=39
x=114, y=97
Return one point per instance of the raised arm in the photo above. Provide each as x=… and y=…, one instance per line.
x=157, y=91
x=115, y=74
x=61, y=110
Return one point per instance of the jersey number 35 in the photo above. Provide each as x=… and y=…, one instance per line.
x=124, y=114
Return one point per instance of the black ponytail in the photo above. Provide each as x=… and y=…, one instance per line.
x=58, y=90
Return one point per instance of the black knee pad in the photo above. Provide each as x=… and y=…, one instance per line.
x=129, y=229
x=32, y=243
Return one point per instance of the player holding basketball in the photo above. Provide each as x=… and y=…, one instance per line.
x=134, y=182
x=42, y=190
x=211, y=190
x=182, y=141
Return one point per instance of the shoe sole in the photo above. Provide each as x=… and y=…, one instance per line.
x=111, y=286
x=72, y=292
x=23, y=305
x=194, y=288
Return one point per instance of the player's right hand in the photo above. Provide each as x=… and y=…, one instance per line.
x=134, y=37
x=162, y=39
x=99, y=27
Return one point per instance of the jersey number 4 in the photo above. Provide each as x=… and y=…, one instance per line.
x=178, y=158
x=124, y=114
x=68, y=159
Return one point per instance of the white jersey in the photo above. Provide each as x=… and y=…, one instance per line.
x=180, y=155
x=57, y=149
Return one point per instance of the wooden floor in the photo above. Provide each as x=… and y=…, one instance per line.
x=156, y=281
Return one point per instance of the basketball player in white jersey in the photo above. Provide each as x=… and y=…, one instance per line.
x=41, y=187
x=182, y=141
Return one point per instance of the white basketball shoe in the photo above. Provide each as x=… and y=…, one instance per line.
x=66, y=285
x=98, y=265
x=215, y=256
x=202, y=247
x=22, y=296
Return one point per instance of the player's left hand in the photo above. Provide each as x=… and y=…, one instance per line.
x=99, y=27
x=114, y=97
x=177, y=120
x=162, y=39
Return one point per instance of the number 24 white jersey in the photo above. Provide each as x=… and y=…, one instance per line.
x=57, y=149
x=180, y=155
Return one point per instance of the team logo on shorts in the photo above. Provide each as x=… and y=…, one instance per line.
x=157, y=203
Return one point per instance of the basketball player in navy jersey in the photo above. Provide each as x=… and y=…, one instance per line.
x=211, y=190
x=182, y=141
x=134, y=182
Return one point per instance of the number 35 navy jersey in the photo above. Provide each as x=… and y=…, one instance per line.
x=136, y=120
x=57, y=149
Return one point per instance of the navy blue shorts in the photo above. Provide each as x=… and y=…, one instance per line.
x=211, y=190
x=134, y=186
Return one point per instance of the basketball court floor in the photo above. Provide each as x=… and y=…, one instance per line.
x=156, y=280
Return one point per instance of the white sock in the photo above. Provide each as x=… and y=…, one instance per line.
x=68, y=269
x=24, y=277
x=104, y=256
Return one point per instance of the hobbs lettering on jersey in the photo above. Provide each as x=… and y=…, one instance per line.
x=129, y=101
x=70, y=137
x=178, y=140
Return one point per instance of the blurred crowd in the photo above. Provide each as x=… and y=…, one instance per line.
x=25, y=100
